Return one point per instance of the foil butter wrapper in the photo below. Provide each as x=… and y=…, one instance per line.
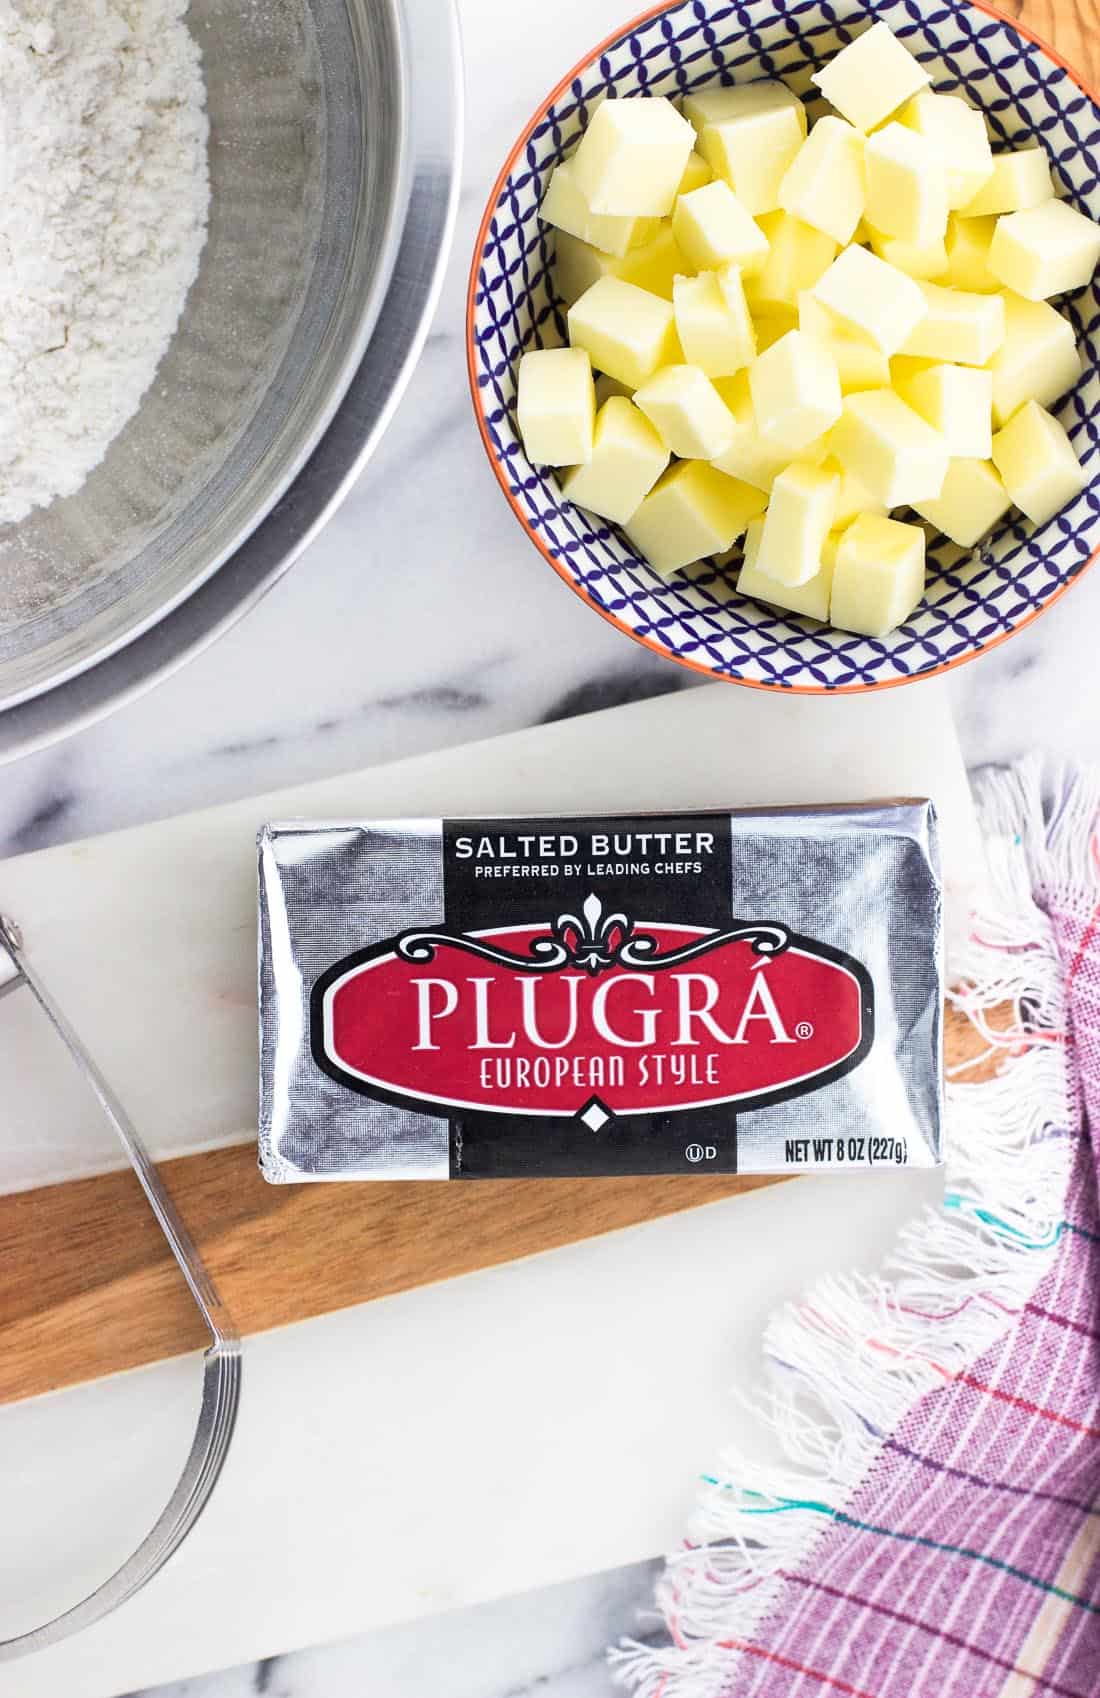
x=758, y=992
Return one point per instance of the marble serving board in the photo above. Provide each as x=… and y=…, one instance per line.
x=147, y=939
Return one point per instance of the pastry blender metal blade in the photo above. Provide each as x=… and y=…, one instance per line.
x=221, y=1385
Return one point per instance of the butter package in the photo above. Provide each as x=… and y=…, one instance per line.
x=755, y=992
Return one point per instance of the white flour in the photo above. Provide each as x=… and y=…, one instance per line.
x=103, y=203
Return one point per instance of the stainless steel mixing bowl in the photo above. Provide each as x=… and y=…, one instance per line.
x=333, y=157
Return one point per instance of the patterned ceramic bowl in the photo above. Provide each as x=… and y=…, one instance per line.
x=974, y=599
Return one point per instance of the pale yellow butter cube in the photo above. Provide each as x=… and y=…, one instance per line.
x=566, y=209
x=797, y=255
x=1018, y=180
x=891, y=450
x=577, y=265
x=713, y=322
x=628, y=456
x=968, y=243
x=655, y=266
x=748, y=456
x=1038, y=359
x=870, y=78
x=631, y=158
x=922, y=260
x=852, y=496
x=958, y=402
x=683, y=404
x=871, y=298
x=1036, y=460
x=628, y=332
x=749, y=134
x=972, y=501
x=556, y=406
x=1047, y=250
x=795, y=391
x=798, y=519
x=859, y=364
x=713, y=228
x=696, y=173
x=691, y=512
x=958, y=133
x=717, y=103
x=809, y=599
x=878, y=579
x=963, y=328
x=826, y=183
x=906, y=186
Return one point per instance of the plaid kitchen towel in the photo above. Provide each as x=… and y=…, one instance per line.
x=934, y=1529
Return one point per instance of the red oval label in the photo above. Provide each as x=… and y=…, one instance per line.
x=632, y=1018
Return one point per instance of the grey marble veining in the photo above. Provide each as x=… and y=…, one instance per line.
x=547, y=1644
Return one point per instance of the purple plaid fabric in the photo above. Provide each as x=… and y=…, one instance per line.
x=966, y=1562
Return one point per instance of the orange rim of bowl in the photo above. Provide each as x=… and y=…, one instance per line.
x=566, y=576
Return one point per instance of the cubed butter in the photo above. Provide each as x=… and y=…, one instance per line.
x=654, y=266
x=959, y=135
x=798, y=519
x=577, y=265
x=696, y=173
x=1047, y=250
x=826, y=183
x=891, y=450
x=713, y=322
x=684, y=406
x=795, y=391
x=871, y=298
x=1017, y=180
x=870, y=78
x=958, y=402
x=797, y=255
x=878, y=579
x=809, y=599
x=566, y=209
x=691, y=513
x=556, y=406
x=1038, y=359
x=906, y=186
x=628, y=332
x=852, y=497
x=749, y=134
x=1037, y=463
x=859, y=364
x=712, y=228
x=968, y=243
x=972, y=501
x=632, y=155
x=922, y=260
x=628, y=456
x=748, y=456
x=958, y=326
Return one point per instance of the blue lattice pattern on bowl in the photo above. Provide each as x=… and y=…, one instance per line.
x=974, y=599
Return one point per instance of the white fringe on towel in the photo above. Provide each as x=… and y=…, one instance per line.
x=845, y=1365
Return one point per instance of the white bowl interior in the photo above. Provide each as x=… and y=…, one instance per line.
x=973, y=598
x=306, y=106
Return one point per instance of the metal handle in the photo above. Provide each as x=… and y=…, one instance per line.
x=221, y=1385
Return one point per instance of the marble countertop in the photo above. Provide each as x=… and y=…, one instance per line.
x=423, y=618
